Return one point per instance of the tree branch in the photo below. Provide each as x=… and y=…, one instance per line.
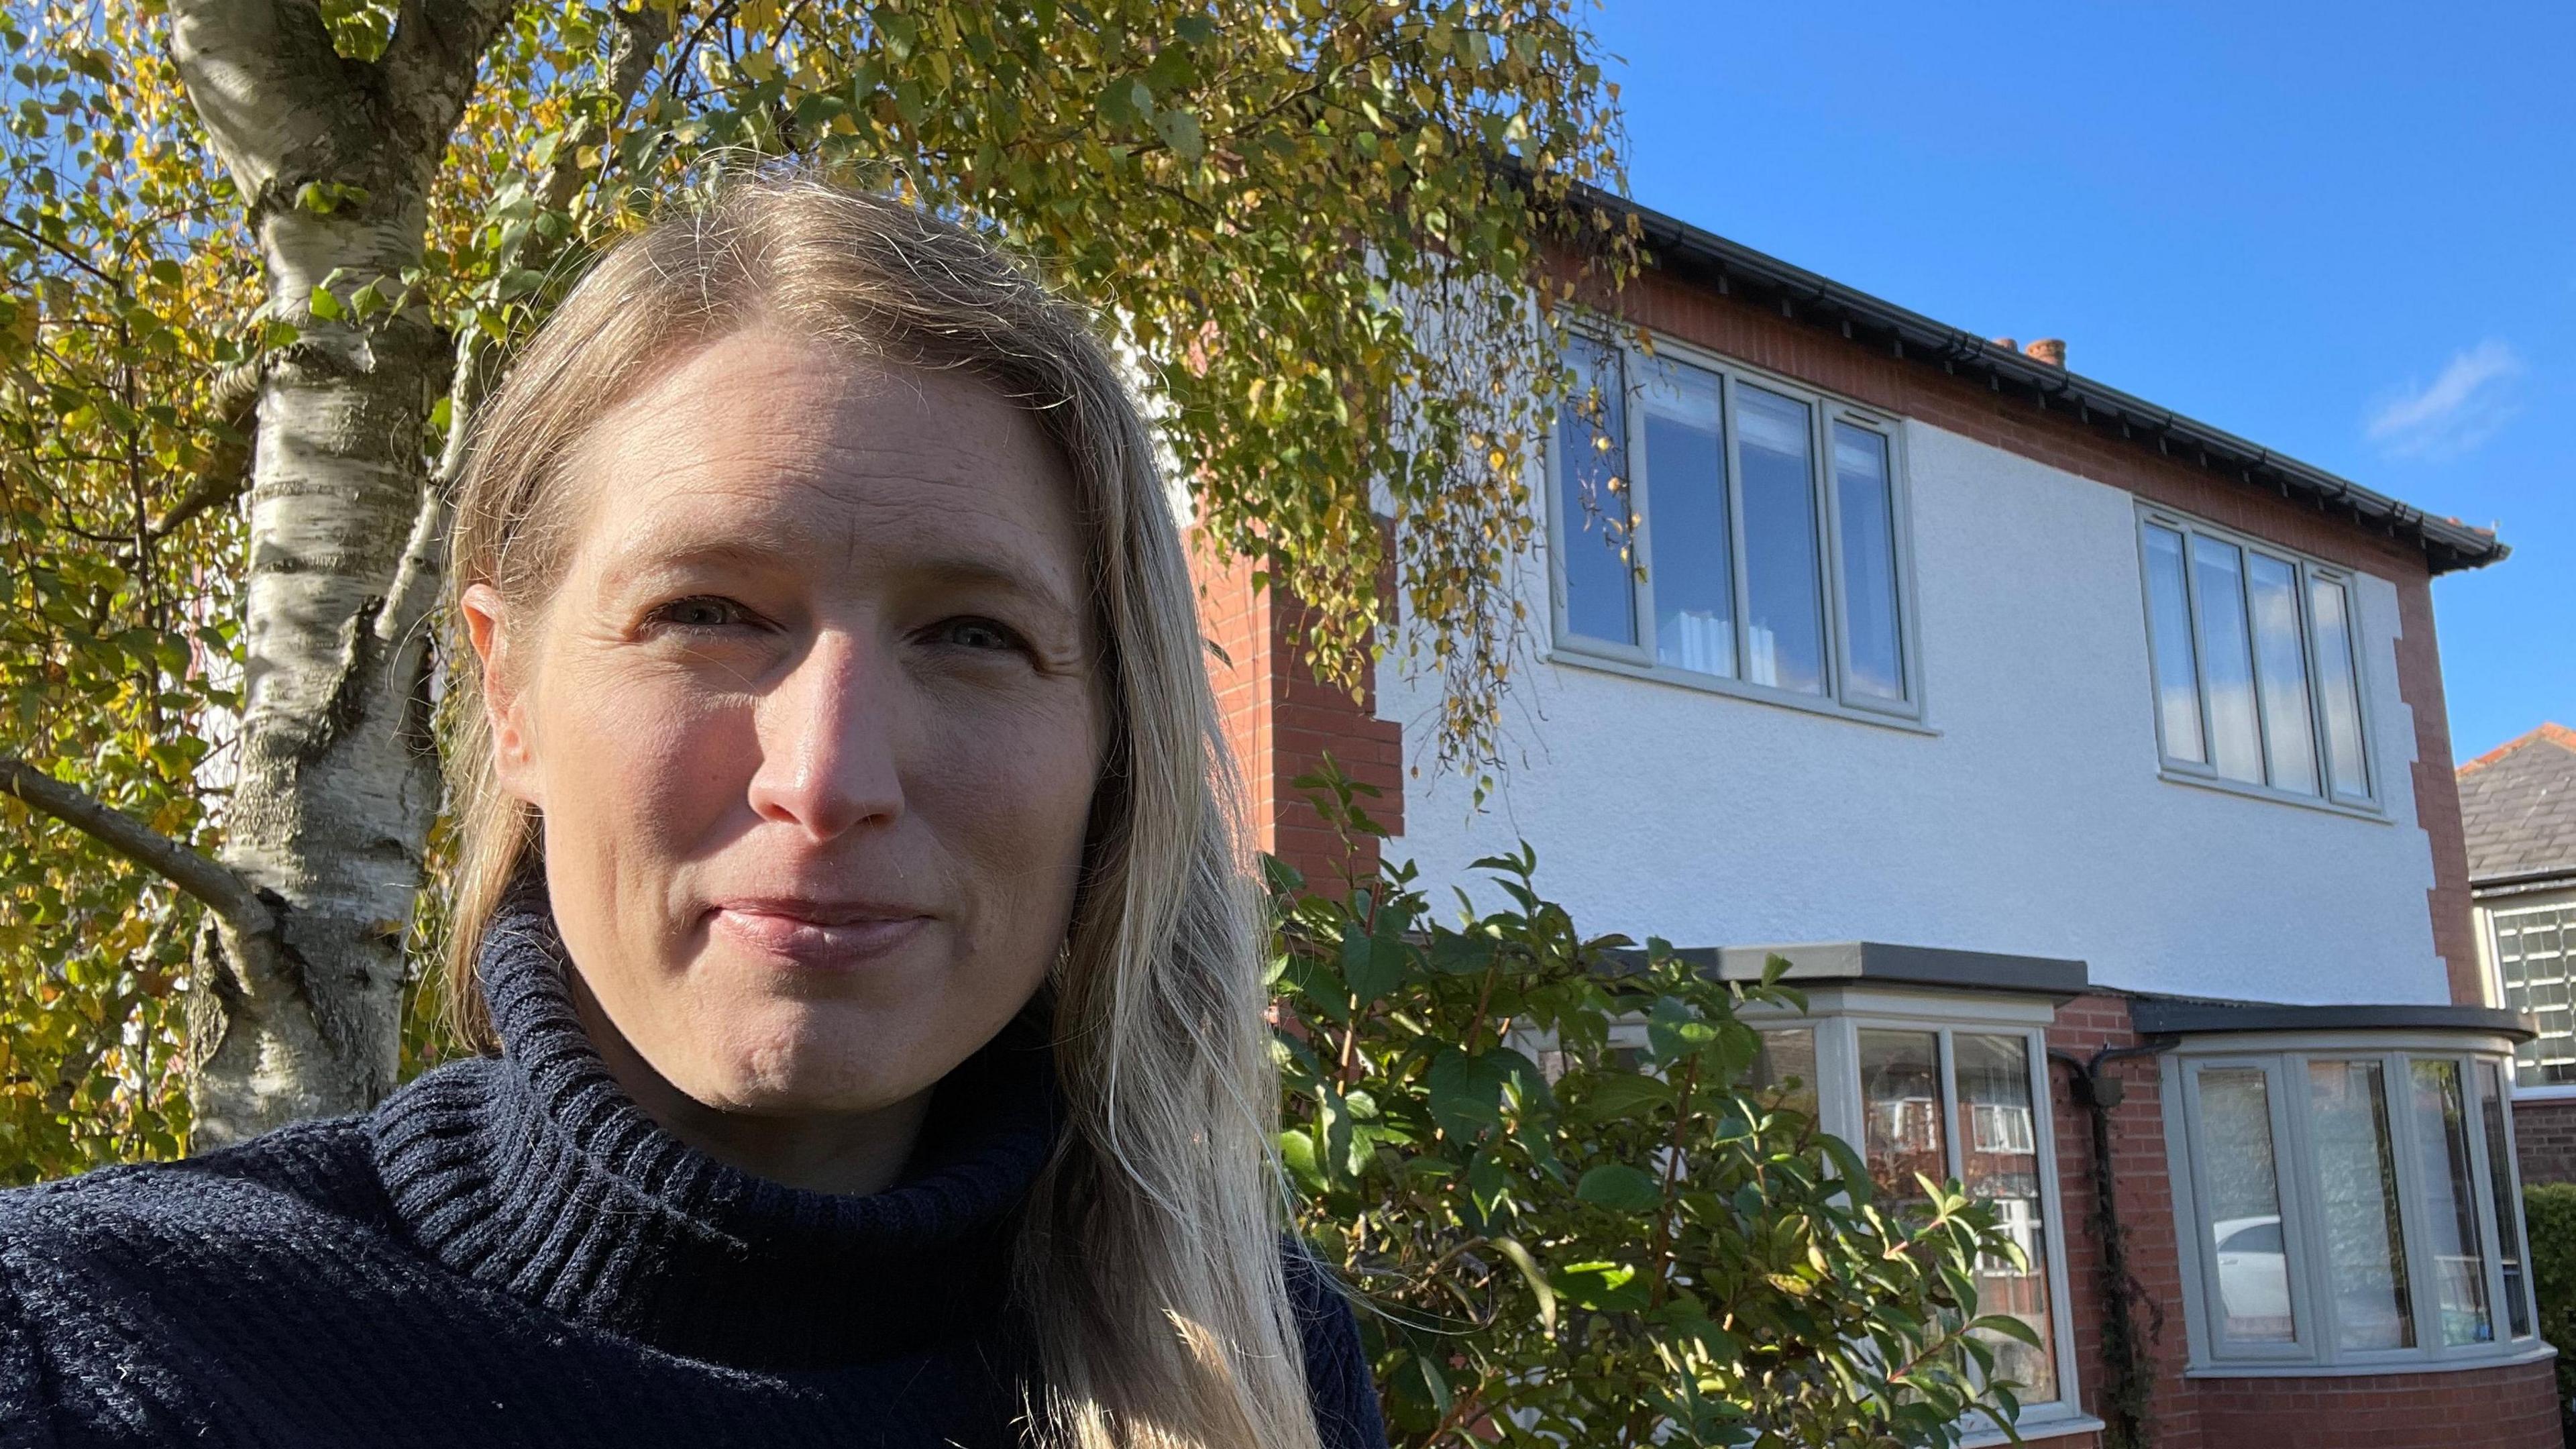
x=224, y=891
x=430, y=64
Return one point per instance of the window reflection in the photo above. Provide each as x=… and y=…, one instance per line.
x=1692, y=561
x=2001, y=1166
x=1784, y=643
x=1592, y=511
x=1900, y=1090
x=2451, y=1208
x=2242, y=1185
x=1868, y=532
x=2357, y=1182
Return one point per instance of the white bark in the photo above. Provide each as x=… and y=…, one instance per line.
x=338, y=784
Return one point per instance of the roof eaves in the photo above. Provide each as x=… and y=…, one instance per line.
x=2448, y=544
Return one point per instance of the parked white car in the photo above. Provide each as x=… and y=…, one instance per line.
x=2253, y=1276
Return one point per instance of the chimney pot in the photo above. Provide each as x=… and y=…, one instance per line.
x=2007, y=344
x=2050, y=350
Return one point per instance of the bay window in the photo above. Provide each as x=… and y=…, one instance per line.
x=2256, y=664
x=2346, y=1205
x=1717, y=527
x=1948, y=1091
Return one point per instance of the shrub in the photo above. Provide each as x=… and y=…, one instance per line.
x=2549, y=1216
x=1561, y=1241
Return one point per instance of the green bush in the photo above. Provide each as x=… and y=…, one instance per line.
x=1561, y=1241
x=2549, y=1213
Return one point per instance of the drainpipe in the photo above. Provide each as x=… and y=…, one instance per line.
x=2125, y=1398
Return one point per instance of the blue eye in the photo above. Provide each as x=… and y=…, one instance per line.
x=976, y=633
x=701, y=611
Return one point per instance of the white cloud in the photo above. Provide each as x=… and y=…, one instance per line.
x=2461, y=409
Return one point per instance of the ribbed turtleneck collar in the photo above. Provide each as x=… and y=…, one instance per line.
x=536, y=1173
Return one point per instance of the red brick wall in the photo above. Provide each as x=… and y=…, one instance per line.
x=1869, y=373
x=2144, y=1187
x=2514, y=1407
x=1282, y=721
x=2544, y=1140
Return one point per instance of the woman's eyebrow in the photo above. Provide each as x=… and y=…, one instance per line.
x=975, y=572
x=676, y=545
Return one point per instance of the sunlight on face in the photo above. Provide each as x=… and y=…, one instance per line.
x=812, y=721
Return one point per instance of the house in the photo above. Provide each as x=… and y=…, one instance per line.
x=2518, y=807
x=2090, y=766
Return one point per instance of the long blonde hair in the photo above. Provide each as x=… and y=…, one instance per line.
x=1150, y=1256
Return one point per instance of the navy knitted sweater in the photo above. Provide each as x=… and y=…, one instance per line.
x=508, y=1251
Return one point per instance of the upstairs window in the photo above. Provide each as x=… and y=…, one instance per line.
x=1716, y=527
x=2257, y=673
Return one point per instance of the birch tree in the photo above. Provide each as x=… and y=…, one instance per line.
x=264, y=256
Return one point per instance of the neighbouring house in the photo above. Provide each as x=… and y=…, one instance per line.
x=2518, y=807
x=2090, y=765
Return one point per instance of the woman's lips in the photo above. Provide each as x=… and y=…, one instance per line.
x=817, y=935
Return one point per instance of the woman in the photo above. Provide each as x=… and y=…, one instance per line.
x=847, y=893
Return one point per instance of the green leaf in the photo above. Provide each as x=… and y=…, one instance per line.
x=1625, y=1095
x=1617, y=1185
x=1519, y=1255
x=1297, y=1151
x=324, y=305
x=1603, y=1287
x=1466, y=1092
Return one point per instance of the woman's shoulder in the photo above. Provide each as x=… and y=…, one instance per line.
x=306, y=1188
x=95, y=1268
x=1337, y=1371
x=278, y=1182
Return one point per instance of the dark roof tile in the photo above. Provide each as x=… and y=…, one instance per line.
x=2518, y=806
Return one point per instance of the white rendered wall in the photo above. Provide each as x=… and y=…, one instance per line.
x=2032, y=820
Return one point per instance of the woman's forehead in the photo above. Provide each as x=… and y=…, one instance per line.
x=761, y=446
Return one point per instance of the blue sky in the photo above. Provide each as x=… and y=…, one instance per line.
x=2346, y=231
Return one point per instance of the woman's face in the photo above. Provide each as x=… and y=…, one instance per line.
x=813, y=722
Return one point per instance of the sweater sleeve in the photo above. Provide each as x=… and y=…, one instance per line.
x=1337, y=1371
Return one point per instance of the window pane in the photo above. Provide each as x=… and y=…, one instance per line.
x=2001, y=1135
x=2243, y=1189
x=1693, y=566
x=2517, y=1302
x=1900, y=1092
x=2357, y=1180
x=1784, y=636
x=1868, y=521
x=2532, y=955
x=2338, y=688
x=2227, y=660
x=2169, y=636
x=2281, y=664
x=1592, y=497
x=1784, y=1071
x=2451, y=1205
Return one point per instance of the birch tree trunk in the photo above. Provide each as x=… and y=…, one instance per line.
x=337, y=783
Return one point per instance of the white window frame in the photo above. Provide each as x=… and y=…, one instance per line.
x=1838, y=1015
x=2371, y=805
x=1824, y=410
x=2284, y=1058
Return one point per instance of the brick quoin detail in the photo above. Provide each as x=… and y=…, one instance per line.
x=2544, y=1140
x=1821, y=356
x=1281, y=721
x=2511, y=1406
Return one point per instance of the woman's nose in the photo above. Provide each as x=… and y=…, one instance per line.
x=827, y=741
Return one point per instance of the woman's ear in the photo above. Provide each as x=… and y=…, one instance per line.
x=513, y=745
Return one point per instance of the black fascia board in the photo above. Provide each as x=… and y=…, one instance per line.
x=1884, y=963
x=1694, y=254
x=2174, y=1016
